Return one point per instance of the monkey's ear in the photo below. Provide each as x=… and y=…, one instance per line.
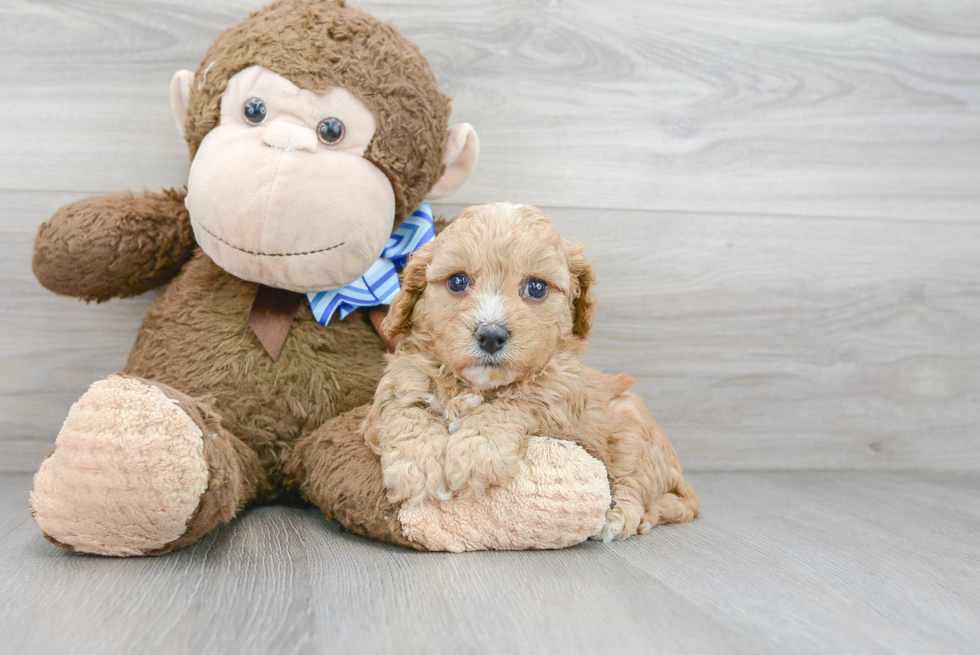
x=584, y=302
x=462, y=151
x=180, y=95
x=413, y=284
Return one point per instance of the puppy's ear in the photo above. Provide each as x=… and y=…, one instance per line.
x=584, y=301
x=413, y=283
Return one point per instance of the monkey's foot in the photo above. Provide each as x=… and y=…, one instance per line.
x=127, y=473
x=559, y=498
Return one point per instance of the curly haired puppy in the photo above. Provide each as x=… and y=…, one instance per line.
x=495, y=314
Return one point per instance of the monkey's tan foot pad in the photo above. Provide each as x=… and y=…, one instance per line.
x=126, y=474
x=558, y=499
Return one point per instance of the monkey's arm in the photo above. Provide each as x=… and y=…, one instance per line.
x=114, y=246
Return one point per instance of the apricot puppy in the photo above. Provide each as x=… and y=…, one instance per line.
x=495, y=314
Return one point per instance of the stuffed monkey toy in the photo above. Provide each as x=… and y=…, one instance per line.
x=315, y=133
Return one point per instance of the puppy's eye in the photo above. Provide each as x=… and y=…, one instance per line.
x=254, y=111
x=458, y=283
x=536, y=289
x=330, y=131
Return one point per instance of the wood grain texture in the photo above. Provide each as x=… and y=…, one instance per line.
x=781, y=200
x=758, y=342
x=843, y=108
x=802, y=562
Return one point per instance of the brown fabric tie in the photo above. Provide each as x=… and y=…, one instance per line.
x=376, y=315
x=272, y=316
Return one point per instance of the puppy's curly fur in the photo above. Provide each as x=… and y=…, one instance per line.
x=452, y=416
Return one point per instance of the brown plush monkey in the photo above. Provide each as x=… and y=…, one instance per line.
x=314, y=130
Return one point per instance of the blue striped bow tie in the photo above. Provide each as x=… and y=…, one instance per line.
x=379, y=285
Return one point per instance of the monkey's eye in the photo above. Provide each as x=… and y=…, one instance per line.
x=536, y=289
x=458, y=283
x=330, y=130
x=254, y=111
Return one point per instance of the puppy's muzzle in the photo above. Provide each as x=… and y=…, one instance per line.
x=492, y=337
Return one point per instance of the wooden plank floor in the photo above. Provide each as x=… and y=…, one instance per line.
x=757, y=342
x=781, y=201
x=855, y=109
x=785, y=562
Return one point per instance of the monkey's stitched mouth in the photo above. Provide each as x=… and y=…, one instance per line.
x=267, y=254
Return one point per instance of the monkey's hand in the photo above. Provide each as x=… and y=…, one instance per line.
x=114, y=246
x=486, y=449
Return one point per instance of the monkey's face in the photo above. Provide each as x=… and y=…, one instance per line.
x=280, y=193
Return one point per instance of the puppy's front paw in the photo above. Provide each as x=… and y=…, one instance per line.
x=413, y=481
x=618, y=526
x=475, y=462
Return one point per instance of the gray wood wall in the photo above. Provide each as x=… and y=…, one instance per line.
x=782, y=200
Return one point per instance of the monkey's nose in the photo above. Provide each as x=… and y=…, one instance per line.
x=288, y=136
x=492, y=337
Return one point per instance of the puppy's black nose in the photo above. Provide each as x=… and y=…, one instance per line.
x=492, y=337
